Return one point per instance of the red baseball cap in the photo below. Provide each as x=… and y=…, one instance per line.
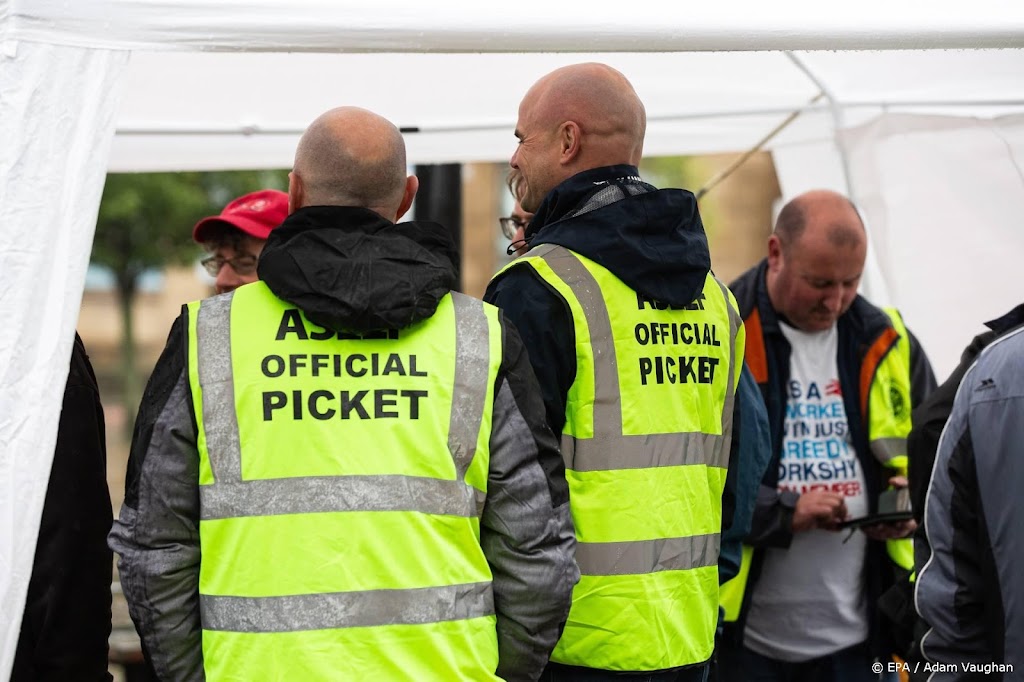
x=255, y=214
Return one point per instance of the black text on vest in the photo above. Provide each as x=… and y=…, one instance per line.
x=684, y=369
x=380, y=403
x=292, y=323
x=644, y=302
x=669, y=367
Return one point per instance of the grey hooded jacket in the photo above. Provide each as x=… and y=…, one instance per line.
x=971, y=588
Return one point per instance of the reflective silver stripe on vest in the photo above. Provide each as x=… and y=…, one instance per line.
x=609, y=449
x=220, y=422
x=230, y=497
x=472, y=360
x=607, y=398
x=647, y=556
x=723, y=445
x=641, y=452
x=416, y=606
x=321, y=494
x=885, y=449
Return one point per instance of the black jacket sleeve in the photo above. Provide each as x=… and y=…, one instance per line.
x=545, y=324
x=67, y=614
x=748, y=459
x=922, y=378
x=929, y=419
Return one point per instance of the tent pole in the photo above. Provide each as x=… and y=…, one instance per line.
x=837, y=118
x=873, y=282
x=726, y=172
x=253, y=130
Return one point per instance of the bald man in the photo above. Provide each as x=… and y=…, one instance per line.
x=839, y=376
x=342, y=471
x=638, y=351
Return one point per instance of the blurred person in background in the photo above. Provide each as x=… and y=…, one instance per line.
x=922, y=445
x=514, y=226
x=66, y=622
x=235, y=238
x=970, y=585
x=839, y=377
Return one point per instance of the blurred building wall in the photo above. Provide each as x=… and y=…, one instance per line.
x=99, y=324
x=739, y=211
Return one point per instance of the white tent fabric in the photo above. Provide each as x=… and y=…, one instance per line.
x=244, y=112
x=524, y=26
x=948, y=231
x=942, y=197
x=231, y=84
x=54, y=129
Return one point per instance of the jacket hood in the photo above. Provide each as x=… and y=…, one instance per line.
x=349, y=269
x=652, y=239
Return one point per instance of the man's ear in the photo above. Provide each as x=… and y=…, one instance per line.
x=569, y=141
x=774, y=252
x=412, y=184
x=295, y=192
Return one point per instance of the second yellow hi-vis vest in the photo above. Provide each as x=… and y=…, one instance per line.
x=341, y=485
x=889, y=424
x=646, y=446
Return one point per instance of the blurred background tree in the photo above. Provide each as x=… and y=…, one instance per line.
x=145, y=224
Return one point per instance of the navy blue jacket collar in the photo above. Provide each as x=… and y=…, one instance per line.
x=651, y=239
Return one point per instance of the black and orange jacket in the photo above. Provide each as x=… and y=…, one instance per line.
x=866, y=334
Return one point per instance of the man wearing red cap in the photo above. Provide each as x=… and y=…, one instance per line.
x=236, y=237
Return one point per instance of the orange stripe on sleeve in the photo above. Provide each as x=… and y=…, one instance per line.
x=755, y=355
x=871, y=361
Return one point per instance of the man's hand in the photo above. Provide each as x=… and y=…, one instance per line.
x=818, y=509
x=892, y=531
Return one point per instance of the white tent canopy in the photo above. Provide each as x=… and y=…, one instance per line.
x=919, y=118
x=245, y=110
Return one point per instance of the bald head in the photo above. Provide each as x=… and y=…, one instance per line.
x=827, y=214
x=603, y=103
x=816, y=259
x=573, y=119
x=351, y=157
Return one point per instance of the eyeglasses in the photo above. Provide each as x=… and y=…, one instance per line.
x=243, y=265
x=510, y=225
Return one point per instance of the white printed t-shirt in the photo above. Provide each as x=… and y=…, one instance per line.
x=810, y=599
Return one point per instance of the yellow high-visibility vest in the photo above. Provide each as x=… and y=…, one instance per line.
x=889, y=424
x=341, y=485
x=646, y=446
